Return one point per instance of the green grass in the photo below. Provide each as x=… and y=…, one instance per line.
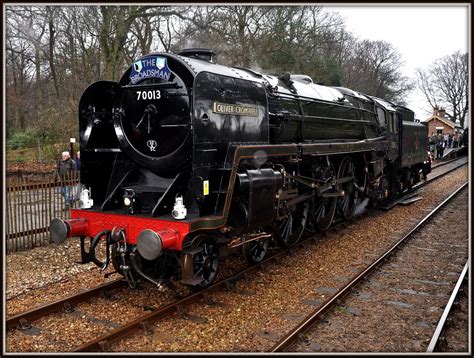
x=47, y=153
x=22, y=155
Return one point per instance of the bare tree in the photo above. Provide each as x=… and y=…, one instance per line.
x=374, y=68
x=48, y=48
x=231, y=31
x=115, y=24
x=50, y=15
x=446, y=83
x=273, y=39
x=25, y=27
x=300, y=39
x=18, y=85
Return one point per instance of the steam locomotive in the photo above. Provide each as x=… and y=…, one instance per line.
x=185, y=161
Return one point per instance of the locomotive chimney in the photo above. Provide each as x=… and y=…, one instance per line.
x=205, y=54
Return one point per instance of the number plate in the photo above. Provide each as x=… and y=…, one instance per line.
x=148, y=95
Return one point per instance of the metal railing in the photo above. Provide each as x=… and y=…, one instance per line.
x=31, y=204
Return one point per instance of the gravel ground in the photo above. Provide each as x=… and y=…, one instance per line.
x=251, y=320
x=406, y=295
x=41, y=267
x=90, y=318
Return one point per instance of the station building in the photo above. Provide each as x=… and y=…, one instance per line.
x=441, y=123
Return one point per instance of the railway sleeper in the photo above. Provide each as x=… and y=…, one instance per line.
x=181, y=312
x=104, y=346
x=24, y=325
x=147, y=328
x=68, y=307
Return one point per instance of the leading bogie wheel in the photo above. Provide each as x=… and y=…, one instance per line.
x=205, y=262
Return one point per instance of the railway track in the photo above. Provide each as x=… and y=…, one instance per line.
x=293, y=337
x=143, y=323
x=444, y=162
x=436, y=177
x=438, y=335
x=179, y=307
x=23, y=320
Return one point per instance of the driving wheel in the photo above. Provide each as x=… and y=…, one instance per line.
x=289, y=229
x=347, y=203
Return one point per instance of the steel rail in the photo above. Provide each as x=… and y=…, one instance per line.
x=442, y=162
x=23, y=318
x=291, y=338
x=442, y=321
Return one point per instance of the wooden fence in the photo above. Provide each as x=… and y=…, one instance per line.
x=31, y=204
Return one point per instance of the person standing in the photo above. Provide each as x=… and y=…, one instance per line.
x=78, y=161
x=79, y=185
x=439, y=146
x=433, y=143
x=443, y=146
x=455, y=140
x=66, y=168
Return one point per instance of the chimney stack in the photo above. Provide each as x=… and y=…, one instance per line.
x=440, y=112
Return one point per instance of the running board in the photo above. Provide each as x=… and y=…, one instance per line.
x=406, y=200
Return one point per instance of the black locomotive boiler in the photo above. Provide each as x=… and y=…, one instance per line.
x=185, y=161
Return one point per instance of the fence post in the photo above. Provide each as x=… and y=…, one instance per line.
x=39, y=150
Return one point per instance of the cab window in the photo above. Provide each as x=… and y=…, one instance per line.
x=381, y=116
x=390, y=121
x=396, y=119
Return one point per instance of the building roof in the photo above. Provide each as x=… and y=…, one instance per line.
x=444, y=120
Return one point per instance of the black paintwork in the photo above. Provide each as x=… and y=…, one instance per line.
x=211, y=127
x=247, y=152
x=198, y=145
x=100, y=148
x=414, y=143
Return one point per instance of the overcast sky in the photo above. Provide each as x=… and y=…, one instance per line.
x=420, y=33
